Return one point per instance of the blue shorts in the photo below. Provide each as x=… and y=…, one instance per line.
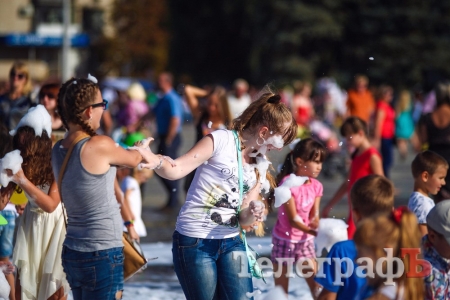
x=94, y=275
x=7, y=233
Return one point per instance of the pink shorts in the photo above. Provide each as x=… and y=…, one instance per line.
x=286, y=249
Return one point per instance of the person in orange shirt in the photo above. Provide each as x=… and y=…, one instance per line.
x=360, y=102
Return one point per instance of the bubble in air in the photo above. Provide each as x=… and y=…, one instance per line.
x=340, y=144
x=371, y=58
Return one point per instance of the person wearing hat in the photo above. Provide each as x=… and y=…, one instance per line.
x=436, y=250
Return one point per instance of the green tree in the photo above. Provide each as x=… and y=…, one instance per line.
x=141, y=41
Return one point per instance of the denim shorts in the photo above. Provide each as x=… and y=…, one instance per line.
x=7, y=233
x=94, y=275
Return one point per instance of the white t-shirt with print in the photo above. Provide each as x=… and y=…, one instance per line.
x=210, y=210
x=420, y=205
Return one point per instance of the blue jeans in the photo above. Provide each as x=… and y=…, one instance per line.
x=94, y=275
x=171, y=186
x=387, y=153
x=207, y=270
x=7, y=233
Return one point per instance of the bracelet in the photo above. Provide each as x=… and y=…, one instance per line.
x=160, y=163
x=129, y=223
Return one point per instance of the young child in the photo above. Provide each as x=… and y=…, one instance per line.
x=429, y=170
x=298, y=219
x=365, y=161
x=130, y=185
x=370, y=195
x=395, y=231
x=436, y=250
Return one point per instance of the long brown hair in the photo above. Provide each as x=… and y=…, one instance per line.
x=267, y=111
x=74, y=96
x=36, y=152
x=397, y=230
x=224, y=111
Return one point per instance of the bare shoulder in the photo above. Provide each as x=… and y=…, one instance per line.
x=101, y=143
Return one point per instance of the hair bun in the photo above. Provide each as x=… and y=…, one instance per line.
x=275, y=99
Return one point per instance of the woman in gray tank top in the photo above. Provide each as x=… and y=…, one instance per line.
x=92, y=254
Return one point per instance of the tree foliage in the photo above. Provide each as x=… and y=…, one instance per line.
x=141, y=40
x=265, y=40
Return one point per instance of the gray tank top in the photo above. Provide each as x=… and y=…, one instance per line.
x=94, y=222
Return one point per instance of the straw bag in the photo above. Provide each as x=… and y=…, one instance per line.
x=134, y=259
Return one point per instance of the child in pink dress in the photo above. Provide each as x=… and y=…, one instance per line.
x=298, y=219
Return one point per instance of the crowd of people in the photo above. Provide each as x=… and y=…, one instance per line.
x=86, y=158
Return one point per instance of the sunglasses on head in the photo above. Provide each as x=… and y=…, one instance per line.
x=49, y=95
x=103, y=104
x=18, y=75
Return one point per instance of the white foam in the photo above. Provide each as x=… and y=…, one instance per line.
x=294, y=180
x=276, y=141
x=371, y=58
x=92, y=78
x=205, y=163
x=262, y=165
x=282, y=195
x=283, y=192
x=37, y=118
x=276, y=293
x=298, y=219
x=330, y=231
x=210, y=124
x=250, y=295
x=12, y=161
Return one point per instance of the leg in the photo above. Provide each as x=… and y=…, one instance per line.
x=387, y=155
x=194, y=261
x=18, y=290
x=281, y=280
x=59, y=294
x=232, y=262
x=172, y=186
x=402, y=148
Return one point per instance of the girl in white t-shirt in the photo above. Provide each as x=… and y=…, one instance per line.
x=207, y=229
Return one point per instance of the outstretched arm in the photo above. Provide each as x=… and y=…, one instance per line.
x=186, y=163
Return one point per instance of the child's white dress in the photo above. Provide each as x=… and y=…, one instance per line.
x=37, y=252
x=135, y=198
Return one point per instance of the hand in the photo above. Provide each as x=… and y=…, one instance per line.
x=257, y=209
x=19, y=178
x=312, y=232
x=144, y=143
x=314, y=223
x=133, y=234
x=7, y=267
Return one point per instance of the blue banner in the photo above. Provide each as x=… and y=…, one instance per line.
x=34, y=40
